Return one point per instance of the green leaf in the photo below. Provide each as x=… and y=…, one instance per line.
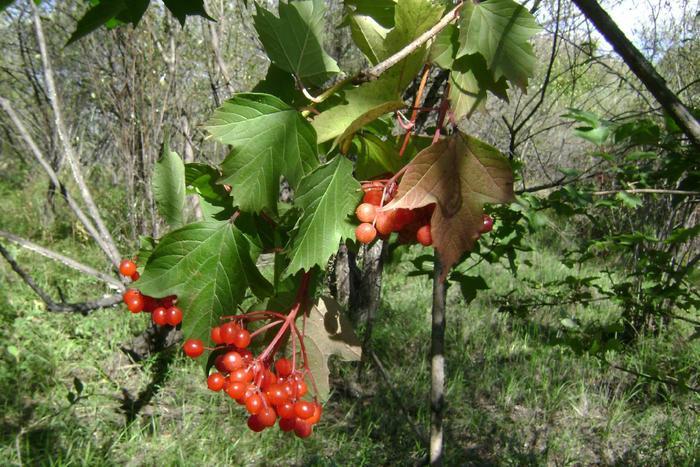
x=209, y=267
x=369, y=36
x=133, y=12
x=362, y=105
x=411, y=19
x=375, y=157
x=270, y=140
x=294, y=41
x=96, y=17
x=469, y=285
x=326, y=197
x=381, y=11
x=629, y=200
x=146, y=246
x=281, y=84
x=444, y=47
x=500, y=31
x=181, y=9
x=215, y=201
x=169, y=186
x=5, y=3
x=328, y=332
x=469, y=81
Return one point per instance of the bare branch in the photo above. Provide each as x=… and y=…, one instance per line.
x=71, y=263
x=646, y=190
x=377, y=70
x=84, y=307
x=63, y=136
x=29, y=141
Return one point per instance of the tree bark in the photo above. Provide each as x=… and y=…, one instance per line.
x=641, y=67
x=437, y=367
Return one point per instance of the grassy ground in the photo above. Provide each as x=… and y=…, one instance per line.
x=517, y=394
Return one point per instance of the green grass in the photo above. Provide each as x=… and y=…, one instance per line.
x=516, y=392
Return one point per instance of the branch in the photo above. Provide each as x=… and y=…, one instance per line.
x=84, y=308
x=377, y=70
x=71, y=263
x=29, y=141
x=437, y=367
x=646, y=190
x=641, y=67
x=64, y=138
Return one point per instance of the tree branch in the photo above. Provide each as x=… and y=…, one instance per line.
x=641, y=67
x=377, y=70
x=71, y=263
x=29, y=141
x=64, y=138
x=84, y=307
x=646, y=190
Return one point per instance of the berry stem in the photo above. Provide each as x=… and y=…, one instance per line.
x=266, y=327
x=289, y=319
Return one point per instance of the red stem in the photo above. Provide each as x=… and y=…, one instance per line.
x=266, y=327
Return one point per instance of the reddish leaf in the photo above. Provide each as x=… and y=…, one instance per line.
x=459, y=174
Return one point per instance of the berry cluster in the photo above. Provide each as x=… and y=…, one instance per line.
x=412, y=225
x=269, y=392
x=163, y=310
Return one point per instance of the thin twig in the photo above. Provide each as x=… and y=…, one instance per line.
x=377, y=70
x=71, y=263
x=646, y=190
x=64, y=138
x=83, y=308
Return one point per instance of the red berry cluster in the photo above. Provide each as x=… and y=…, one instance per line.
x=269, y=392
x=412, y=225
x=163, y=310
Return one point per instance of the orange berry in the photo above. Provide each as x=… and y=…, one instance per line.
x=365, y=233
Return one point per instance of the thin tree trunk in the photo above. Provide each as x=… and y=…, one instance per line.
x=437, y=367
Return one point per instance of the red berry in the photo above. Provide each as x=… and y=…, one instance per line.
x=253, y=404
x=366, y=212
x=228, y=332
x=301, y=388
x=135, y=276
x=160, y=316
x=216, y=335
x=232, y=361
x=174, y=316
x=254, y=424
x=423, y=235
x=135, y=303
x=487, y=225
x=219, y=363
x=385, y=222
x=193, y=348
x=127, y=267
x=286, y=410
x=403, y=217
x=267, y=416
x=241, y=375
x=150, y=303
x=283, y=367
x=304, y=409
x=365, y=233
x=318, y=410
x=302, y=429
x=130, y=293
x=216, y=381
x=287, y=424
x=241, y=338
x=276, y=394
x=373, y=196
x=235, y=389
x=168, y=301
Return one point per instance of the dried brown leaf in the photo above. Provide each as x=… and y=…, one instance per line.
x=459, y=174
